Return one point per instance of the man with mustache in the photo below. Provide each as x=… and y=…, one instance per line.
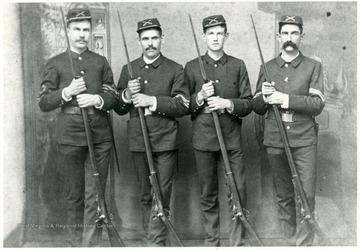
x=227, y=91
x=297, y=88
x=159, y=88
x=93, y=88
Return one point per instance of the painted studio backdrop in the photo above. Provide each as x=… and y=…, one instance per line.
x=33, y=189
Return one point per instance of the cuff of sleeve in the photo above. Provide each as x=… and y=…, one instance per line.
x=64, y=97
x=285, y=105
x=231, y=109
x=197, y=101
x=124, y=98
x=154, y=106
x=101, y=103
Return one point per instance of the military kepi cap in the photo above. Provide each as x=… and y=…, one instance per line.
x=213, y=21
x=297, y=20
x=78, y=14
x=150, y=23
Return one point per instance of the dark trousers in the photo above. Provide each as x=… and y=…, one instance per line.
x=154, y=230
x=81, y=202
x=206, y=163
x=295, y=230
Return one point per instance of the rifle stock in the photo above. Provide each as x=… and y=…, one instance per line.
x=153, y=178
x=104, y=218
x=238, y=213
x=296, y=180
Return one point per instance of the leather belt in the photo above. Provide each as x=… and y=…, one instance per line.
x=76, y=110
x=134, y=113
x=290, y=116
x=206, y=110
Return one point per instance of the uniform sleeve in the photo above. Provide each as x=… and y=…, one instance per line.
x=242, y=104
x=50, y=96
x=258, y=104
x=177, y=104
x=314, y=103
x=191, y=83
x=109, y=93
x=122, y=107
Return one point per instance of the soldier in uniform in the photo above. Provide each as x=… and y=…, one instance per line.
x=227, y=92
x=93, y=89
x=159, y=88
x=297, y=87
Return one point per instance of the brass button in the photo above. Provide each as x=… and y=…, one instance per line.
x=215, y=65
x=217, y=81
x=80, y=58
x=286, y=65
x=82, y=72
x=147, y=66
x=287, y=127
x=146, y=81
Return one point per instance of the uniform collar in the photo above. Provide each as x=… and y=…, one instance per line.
x=85, y=53
x=155, y=63
x=281, y=62
x=212, y=62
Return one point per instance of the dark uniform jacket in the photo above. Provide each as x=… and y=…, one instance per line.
x=98, y=78
x=302, y=79
x=231, y=81
x=163, y=79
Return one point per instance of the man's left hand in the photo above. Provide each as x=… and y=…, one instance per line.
x=88, y=100
x=142, y=101
x=277, y=98
x=215, y=103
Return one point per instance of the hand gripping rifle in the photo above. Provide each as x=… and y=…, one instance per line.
x=104, y=218
x=305, y=209
x=159, y=209
x=237, y=208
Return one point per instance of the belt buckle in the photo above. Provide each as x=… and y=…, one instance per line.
x=287, y=117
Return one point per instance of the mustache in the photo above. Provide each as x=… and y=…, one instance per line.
x=291, y=44
x=151, y=47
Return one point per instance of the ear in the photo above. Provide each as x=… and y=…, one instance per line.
x=227, y=36
x=302, y=35
x=162, y=39
x=203, y=36
x=138, y=39
x=278, y=36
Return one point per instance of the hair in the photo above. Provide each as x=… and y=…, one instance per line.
x=153, y=28
x=221, y=25
x=300, y=27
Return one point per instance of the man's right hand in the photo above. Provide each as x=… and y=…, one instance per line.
x=76, y=87
x=267, y=88
x=133, y=87
x=206, y=91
